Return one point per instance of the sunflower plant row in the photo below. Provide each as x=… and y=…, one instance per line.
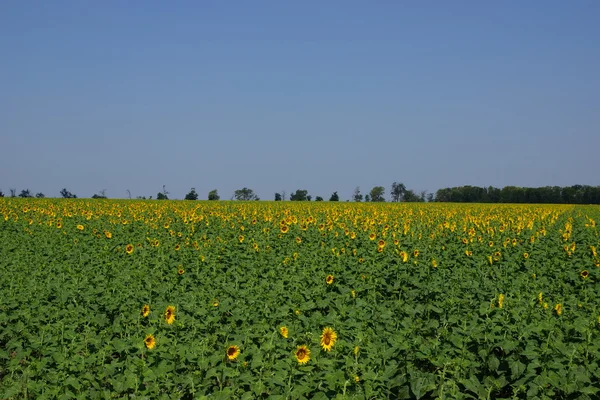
x=159, y=300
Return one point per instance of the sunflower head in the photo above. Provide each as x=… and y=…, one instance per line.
x=145, y=310
x=284, y=229
x=329, y=279
x=585, y=274
x=558, y=309
x=170, y=314
x=526, y=255
x=129, y=248
x=107, y=234
x=284, y=331
x=180, y=270
x=241, y=238
x=328, y=338
x=233, y=352
x=80, y=227
x=150, y=342
x=177, y=247
x=302, y=354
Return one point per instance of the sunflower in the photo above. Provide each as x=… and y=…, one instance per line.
x=107, y=234
x=284, y=331
x=584, y=274
x=500, y=300
x=80, y=227
x=298, y=240
x=352, y=235
x=526, y=255
x=233, y=352
x=302, y=354
x=540, y=297
x=328, y=338
x=59, y=224
x=404, y=256
x=491, y=244
x=381, y=243
x=434, y=263
x=241, y=238
x=145, y=310
x=416, y=253
x=372, y=236
x=129, y=249
x=329, y=279
x=150, y=341
x=284, y=229
x=170, y=314
x=215, y=303
x=177, y=247
x=180, y=270
x=558, y=309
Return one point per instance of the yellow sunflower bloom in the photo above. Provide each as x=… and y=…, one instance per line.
x=150, y=342
x=328, y=338
x=170, y=315
x=233, y=352
x=302, y=354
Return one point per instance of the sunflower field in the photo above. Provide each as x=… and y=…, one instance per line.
x=285, y=300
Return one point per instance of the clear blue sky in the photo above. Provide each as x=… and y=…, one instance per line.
x=286, y=95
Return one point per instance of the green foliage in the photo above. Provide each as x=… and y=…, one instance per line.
x=278, y=197
x=576, y=194
x=213, y=195
x=318, y=198
x=300, y=195
x=436, y=301
x=245, y=194
x=67, y=195
x=25, y=193
x=357, y=196
x=192, y=195
x=376, y=194
x=334, y=197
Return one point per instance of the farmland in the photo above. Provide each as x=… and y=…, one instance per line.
x=185, y=299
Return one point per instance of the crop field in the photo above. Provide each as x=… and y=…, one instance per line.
x=290, y=300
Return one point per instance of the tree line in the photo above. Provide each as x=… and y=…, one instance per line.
x=577, y=194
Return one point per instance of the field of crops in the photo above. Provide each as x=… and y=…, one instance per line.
x=168, y=299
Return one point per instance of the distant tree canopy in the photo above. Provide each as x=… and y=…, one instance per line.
x=334, y=197
x=25, y=193
x=377, y=193
x=300, y=195
x=318, y=198
x=577, y=194
x=277, y=197
x=245, y=194
x=100, y=195
x=213, y=195
x=192, y=195
x=356, y=196
x=1, y=193
x=164, y=195
x=67, y=195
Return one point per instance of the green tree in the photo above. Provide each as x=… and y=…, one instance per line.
x=67, y=195
x=192, y=195
x=334, y=197
x=377, y=194
x=164, y=195
x=25, y=193
x=357, y=197
x=300, y=195
x=245, y=194
x=214, y=195
x=277, y=197
x=100, y=195
x=398, y=191
x=1, y=193
x=318, y=198
x=367, y=198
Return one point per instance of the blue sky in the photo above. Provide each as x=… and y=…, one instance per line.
x=281, y=95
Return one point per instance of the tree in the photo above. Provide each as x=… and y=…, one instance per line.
x=398, y=191
x=1, y=193
x=357, y=196
x=334, y=197
x=163, y=195
x=377, y=194
x=308, y=198
x=411, y=197
x=429, y=197
x=40, y=195
x=300, y=195
x=245, y=194
x=67, y=195
x=100, y=195
x=283, y=195
x=13, y=192
x=213, y=195
x=318, y=198
x=367, y=198
x=192, y=195
x=277, y=197
x=25, y=193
